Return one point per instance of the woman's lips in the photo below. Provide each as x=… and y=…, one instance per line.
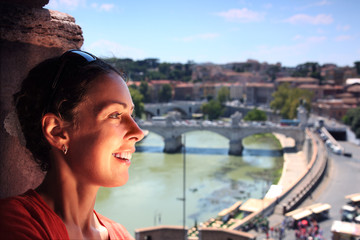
x=123, y=155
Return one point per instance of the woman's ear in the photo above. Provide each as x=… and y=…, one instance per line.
x=54, y=130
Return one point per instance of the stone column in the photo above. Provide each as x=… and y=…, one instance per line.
x=29, y=34
x=172, y=144
x=235, y=147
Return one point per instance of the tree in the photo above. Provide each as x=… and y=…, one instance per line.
x=164, y=68
x=165, y=93
x=223, y=94
x=308, y=69
x=213, y=109
x=272, y=71
x=137, y=98
x=145, y=91
x=255, y=115
x=357, y=66
x=352, y=118
x=287, y=100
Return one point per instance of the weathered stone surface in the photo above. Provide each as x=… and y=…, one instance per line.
x=40, y=27
x=28, y=35
x=29, y=3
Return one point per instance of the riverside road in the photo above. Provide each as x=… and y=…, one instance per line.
x=342, y=178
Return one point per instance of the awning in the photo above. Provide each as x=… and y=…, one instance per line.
x=302, y=214
x=352, y=229
x=320, y=208
x=353, y=197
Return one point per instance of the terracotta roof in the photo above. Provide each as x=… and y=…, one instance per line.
x=184, y=85
x=129, y=83
x=297, y=79
x=161, y=82
x=344, y=95
x=309, y=86
x=259, y=84
x=354, y=88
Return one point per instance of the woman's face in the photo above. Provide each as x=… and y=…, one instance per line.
x=104, y=136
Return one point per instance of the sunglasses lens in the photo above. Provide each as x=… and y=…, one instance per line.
x=80, y=55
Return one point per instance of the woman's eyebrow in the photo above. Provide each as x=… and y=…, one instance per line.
x=100, y=107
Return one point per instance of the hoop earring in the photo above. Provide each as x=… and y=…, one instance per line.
x=65, y=149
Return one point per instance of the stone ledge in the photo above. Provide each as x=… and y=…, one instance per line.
x=41, y=27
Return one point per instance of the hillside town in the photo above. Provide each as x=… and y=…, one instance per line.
x=335, y=89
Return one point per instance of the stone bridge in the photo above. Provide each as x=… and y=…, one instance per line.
x=235, y=131
x=186, y=108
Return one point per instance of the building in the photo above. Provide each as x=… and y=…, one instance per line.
x=322, y=91
x=259, y=93
x=184, y=91
x=296, y=81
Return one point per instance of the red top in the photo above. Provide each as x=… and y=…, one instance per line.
x=28, y=217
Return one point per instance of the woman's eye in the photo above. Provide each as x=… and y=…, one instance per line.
x=115, y=115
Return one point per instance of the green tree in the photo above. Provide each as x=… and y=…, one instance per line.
x=165, y=93
x=255, y=115
x=352, y=118
x=145, y=91
x=223, y=95
x=213, y=109
x=137, y=98
x=272, y=71
x=357, y=66
x=165, y=68
x=308, y=69
x=287, y=100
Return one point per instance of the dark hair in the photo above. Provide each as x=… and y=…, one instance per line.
x=32, y=101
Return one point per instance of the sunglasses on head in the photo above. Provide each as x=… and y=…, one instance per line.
x=71, y=57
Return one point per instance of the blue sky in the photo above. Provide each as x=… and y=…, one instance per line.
x=222, y=31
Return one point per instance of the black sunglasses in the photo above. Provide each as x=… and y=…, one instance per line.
x=71, y=57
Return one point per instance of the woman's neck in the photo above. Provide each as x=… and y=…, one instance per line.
x=72, y=201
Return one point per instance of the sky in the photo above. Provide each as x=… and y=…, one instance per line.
x=220, y=31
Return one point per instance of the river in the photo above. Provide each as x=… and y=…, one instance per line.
x=214, y=180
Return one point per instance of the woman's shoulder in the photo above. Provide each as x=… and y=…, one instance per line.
x=116, y=230
x=26, y=217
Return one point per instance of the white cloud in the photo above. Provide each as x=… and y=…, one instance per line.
x=322, y=3
x=315, y=4
x=106, y=7
x=267, y=6
x=73, y=4
x=311, y=39
x=67, y=4
x=316, y=39
x=241, y=15
x=343, y=38
x=298, y=37
x=203, y=36
x=106, y=48
x=307, y=19
x=343, y=28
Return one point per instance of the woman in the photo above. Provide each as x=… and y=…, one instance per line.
x=76, y=116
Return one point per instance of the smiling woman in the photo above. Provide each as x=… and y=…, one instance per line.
x=76, y=115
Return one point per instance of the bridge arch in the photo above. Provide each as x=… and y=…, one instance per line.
x=172, y=132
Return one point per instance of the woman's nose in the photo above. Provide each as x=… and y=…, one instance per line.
x=135, y=132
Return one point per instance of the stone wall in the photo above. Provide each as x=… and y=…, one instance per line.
x=223, y=234
x=161, y=232
x=29, y=34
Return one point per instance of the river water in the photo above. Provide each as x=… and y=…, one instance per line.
x=214, y=180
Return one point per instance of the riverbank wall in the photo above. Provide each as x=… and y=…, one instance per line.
x=293, y=194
